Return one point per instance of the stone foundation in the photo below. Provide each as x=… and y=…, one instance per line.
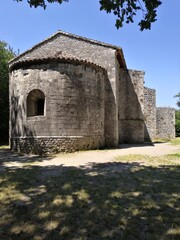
x=50, y=145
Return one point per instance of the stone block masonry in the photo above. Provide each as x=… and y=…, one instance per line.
x=159, y=121
x=74, y=106
x=165, y=123
x=149, y=114
x=101, y=54
x=131, y=103
x=49, y=145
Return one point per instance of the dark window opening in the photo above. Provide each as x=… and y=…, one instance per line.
x=35, y=103
x=40, y=107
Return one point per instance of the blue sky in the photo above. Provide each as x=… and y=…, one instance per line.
x=156, y=52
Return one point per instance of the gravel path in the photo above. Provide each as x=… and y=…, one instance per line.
x=85, y=158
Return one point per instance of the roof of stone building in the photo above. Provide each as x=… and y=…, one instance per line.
x=24, y=56
x=63, y=58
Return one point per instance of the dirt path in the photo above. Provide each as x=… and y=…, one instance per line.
x=85, y=158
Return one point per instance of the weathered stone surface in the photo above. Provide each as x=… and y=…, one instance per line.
x=74, y=103
x=49, y=145
x=131, y=103
x=165, y=122
x=98, y=53
x=149, y=114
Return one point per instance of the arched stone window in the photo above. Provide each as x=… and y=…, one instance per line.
x=35, y=103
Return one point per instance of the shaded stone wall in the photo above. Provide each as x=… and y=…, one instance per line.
x=149, y=114
x=137, y=78
x=165, y=123
x=74, y=106
x=131, y=102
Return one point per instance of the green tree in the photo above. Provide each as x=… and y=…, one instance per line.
x=177, y=125
x=6, y=54
x=124, y=10
x=178, y=101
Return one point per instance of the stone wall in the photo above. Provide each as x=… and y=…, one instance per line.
x=49, y=145
x=149, y=114
x=137, y=78
x=74, y=105
x=165, y=123
x=131, y=102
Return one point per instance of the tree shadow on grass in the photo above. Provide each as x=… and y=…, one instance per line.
x=104, y=201
x=7, y=156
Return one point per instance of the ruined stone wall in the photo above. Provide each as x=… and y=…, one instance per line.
x=93, y=52
x=131, y=103
x=74, y=107
x=149, y=114
x=165, y=123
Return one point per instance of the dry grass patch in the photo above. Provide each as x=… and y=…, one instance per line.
x=175, y=141
x=170, y=159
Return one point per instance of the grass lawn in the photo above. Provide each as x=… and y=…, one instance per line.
x=176, y=141
x=135, y=197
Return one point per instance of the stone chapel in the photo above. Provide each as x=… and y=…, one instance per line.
x=70, y=93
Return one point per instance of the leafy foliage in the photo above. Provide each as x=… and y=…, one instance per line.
x=178, y=96
x=42, y=3
x=124, y=10
x=177, y=125
x=6, y=53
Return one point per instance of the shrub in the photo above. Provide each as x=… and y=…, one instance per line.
x=177, y=125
